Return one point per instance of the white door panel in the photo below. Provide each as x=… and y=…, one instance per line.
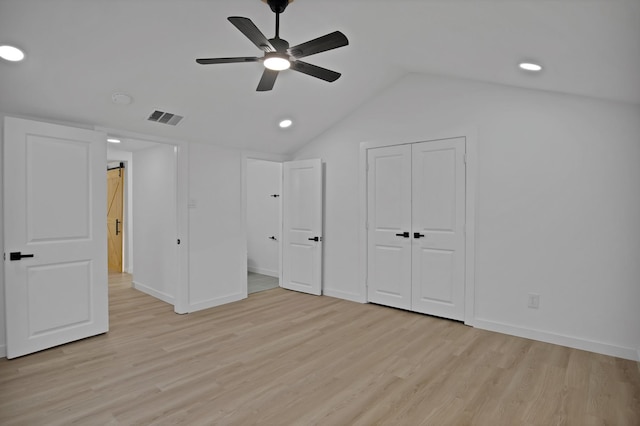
x=438, y=219
x=418, y=189
x=302, y=223
x=389, y=206
x=55, y=194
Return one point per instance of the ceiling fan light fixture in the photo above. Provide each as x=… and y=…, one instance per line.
x=276, y=62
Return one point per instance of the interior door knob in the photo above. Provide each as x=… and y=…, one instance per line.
x=417, y=235
x=16, y=255
x=404, y=235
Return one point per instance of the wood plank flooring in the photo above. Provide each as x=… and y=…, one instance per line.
x=285, y=358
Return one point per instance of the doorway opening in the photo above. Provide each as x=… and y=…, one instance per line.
x=149, y=225
x=264, y=223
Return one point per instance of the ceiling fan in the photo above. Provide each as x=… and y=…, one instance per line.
x=278, y=56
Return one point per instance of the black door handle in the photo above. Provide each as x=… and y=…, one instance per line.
x=273, y=238
x=404, y=234
x=315, y=239
x=16, y=255
x=417, y=235
x=117, y=226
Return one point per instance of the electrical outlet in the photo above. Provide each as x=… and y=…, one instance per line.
x=533, y=300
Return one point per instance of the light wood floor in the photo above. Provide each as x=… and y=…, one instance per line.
x=281, y=358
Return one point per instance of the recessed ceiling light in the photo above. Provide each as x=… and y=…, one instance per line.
x=113, y=140
x=285, y=123
x=530, y=66
x=11, y=53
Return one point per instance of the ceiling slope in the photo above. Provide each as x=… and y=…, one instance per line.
x=81, y=52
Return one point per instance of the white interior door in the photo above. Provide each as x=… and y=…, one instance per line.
x=302, y=226
x=438, y=217
x=55, y=201
x=389, y=226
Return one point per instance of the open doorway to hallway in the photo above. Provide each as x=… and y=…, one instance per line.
x=264, y=190
x=149, y=224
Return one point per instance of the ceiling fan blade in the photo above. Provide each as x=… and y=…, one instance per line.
x=209, y=61
x=268, y=80
x=321, y=44
x=249, y=29
x=315, y=71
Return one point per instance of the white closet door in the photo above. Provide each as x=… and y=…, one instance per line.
x=438, y=216
x=302, y=226
x=55, y=235
x=389, y=226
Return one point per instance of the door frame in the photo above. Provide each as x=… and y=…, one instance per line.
x=181, y=298
x=469, y=133
x=275, y=158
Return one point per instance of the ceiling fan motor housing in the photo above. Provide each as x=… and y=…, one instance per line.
x=278, y=6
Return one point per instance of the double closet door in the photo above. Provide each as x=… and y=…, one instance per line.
x=416, y=227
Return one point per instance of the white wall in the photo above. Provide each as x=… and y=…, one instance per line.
x=264, y=178
x=557, y=210
x=155, y=222
x=217, y=241
x=127, y=159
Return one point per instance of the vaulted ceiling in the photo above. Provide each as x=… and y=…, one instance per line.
x=79, y=53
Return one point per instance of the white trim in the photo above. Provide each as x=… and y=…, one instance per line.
x=262, y=271
x=559, y=339
x=3, y=351
x=471, y=160
x=211, y=303
x=182, y=203
x=470, y=135
x=638, y=358
x=344, y=295
x=167, y=298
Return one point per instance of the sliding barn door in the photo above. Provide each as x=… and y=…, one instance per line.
x=55, y=235
x=302, y=226
x=115, y=216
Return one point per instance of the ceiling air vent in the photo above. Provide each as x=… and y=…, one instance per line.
x=165, y=117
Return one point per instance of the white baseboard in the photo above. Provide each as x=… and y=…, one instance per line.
x=559, y=339
x=211, y=303
x=3, y=351
x=263, y=271
x=153, y=292
x=344, y=295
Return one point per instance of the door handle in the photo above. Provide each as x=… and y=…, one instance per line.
x=273, y=238
x=315, y=239
x=117, y=226
x=16, y=255
x=417, y=235
x=404, y=235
